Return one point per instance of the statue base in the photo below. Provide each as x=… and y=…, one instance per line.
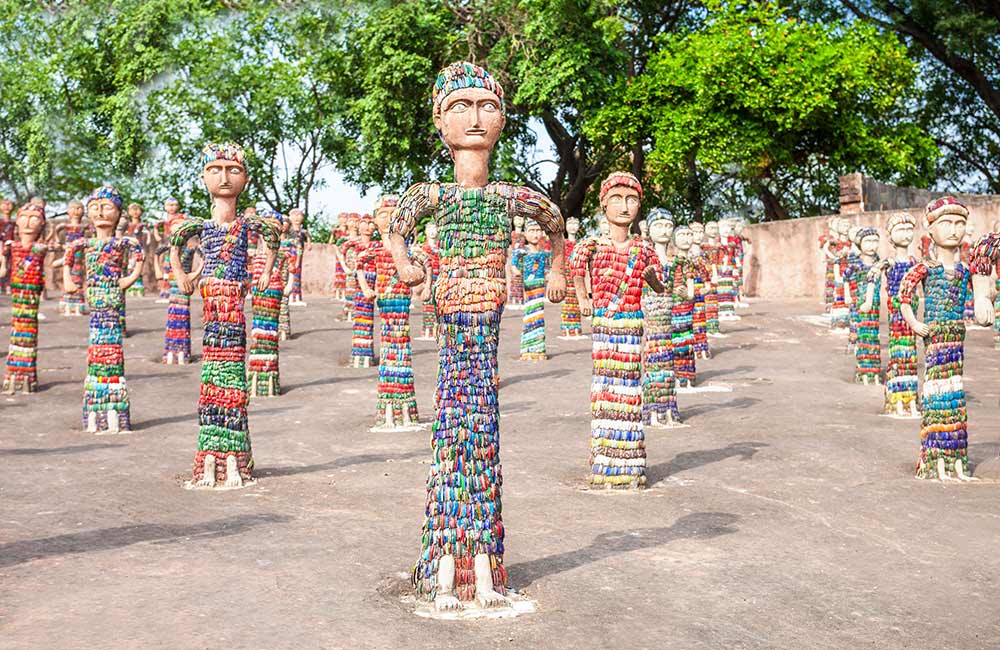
x=470, y=610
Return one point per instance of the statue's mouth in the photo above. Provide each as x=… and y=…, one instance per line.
x=475, y=132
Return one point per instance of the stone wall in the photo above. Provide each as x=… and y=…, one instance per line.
x=785, y=261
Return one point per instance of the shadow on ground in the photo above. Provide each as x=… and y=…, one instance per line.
x=698, y=525
x=104, y=539
x=339, y=463
x=691, y=459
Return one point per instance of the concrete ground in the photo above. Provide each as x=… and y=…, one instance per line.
x=786, y=516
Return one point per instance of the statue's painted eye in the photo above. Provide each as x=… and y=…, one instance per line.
x=459, y=106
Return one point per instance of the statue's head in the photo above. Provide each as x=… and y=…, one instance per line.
x=109, y=207
x=843, y=226
x=518, y=222
x=738, y=225
x=661, y=226
x=134, y=211
x=223, y=169
x=468, y=107
x=533, y=232
x=621, y=198
x=711, y=230
x=852, y=234
x=250, y=211
x=946, y=220
x=74, y=210
x=643, y=228
x=698, y=231
x=602, y=224
x=384, y=208
x=683, y=237
x=341, y=219
x=6, y=207
x=867, y=240
x=366, y=225
x=297, y=217
x=353, y=222
x=725, y=227
x=572, y=226
x=171, y=206
x=275, y=218
x=431, y=231
x=31, y=220
x=901, y=226
x=833, y=224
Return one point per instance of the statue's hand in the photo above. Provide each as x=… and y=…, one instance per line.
x=411, y=274
x=556, y=290
x=585, y=307
x=921, y=329
x=425, y=293
x=985, y=311
x=866, y=306
x=368, y=293
x=264, y=280
x=70, y=287
x=184, y=283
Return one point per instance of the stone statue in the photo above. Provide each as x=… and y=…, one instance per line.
x=944, y=428
x=530, y=266
x=686, y=268
x=224, y=457
x=396, y=406
x=72, y=303
x=985, y=260
x=570, y=326
x=515, y=291
x=363, y=306
x=643, y=229
x=827, y=248
x=263, y=367
x=137, y=230
x=618, y=266
x=463, y=537
x=107, y=261
x=24, y=260
x=901, y=369
x=177, y=335
x=659, y=391
x=299, y=234
x=7, y=227
x=868, y=349
x=430, y=252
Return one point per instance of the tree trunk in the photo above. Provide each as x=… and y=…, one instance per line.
x=694, y=197
x=773, y=210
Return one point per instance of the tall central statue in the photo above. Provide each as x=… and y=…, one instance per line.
x=463, y=536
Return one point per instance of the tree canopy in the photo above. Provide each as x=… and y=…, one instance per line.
x=720, y=107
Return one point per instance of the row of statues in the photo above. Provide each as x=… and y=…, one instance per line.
x=956, y=282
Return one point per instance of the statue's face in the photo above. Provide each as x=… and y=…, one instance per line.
x=75, y=212
x=382, y=219
x=93, y=209
x=6, y=207
x=572, y=226
x=431, y=231
x=366, y=227
x=852, y=233
x=533, y=233
x=621, y=205
x=833, y=224
x=250, y=212
x=712, y=230
x=30, y=224
x=352, y=224
x=470, y=119
x=660, y=231
x=738, y=227
x=134, y=212
x=902, y=235
x=698, y=232
x=969, y=230
x=683, y=238
x=644, y=228
x=725, y=228
x=947, y=231
x=519, y=222
x=107, y=213
x=869, y=245
x=297, y=217
x=171, y=207
x=843, y=226
x=604, y=226
x=224, y=178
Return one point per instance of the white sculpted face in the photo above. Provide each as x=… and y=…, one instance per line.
x=683, y=238
x=698, y=230
x=431, y=231
x=621, y=205
x=869, y=245
x=661, y=231
x=947, y=231
x=902, y=235
x=572, y=226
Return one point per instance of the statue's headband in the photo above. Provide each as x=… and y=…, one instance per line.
x=463, y=74
x=616, y=179
x=225, y=151
x=945, y=205
x=106, y=192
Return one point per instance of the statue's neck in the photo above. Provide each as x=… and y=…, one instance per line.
x=472, y=167
x=27, y=239
x=661, y=251
x=902, y=252
x=223, y=209
x=618, y=234
x=104, y=233
x=571, y=236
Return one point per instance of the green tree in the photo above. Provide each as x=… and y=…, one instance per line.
x=779, y=105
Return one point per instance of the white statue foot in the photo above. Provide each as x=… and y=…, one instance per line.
x=112, y=421
x=92, y=422
x=485, y=594
x=170, y=359
x=208, y=476
x=942, y=472
x=445, y=599
x=233, y=478
x=960, y=472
